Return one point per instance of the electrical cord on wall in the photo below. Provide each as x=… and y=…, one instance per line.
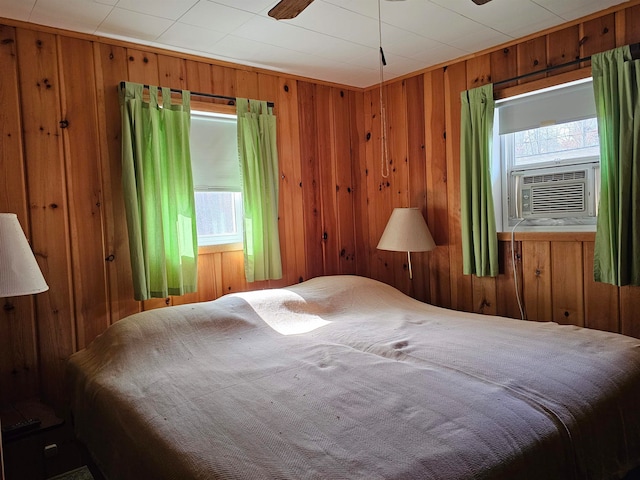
x=513, y=264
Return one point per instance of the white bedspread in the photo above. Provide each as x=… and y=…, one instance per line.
x=345, y=377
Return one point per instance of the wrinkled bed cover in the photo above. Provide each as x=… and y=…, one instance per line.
x=380, y=386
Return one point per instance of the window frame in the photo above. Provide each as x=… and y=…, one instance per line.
x=499, y=171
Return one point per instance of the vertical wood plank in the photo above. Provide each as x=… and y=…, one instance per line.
x=567, y=280
x=142, y=67
x=111, y=69
x=598, y=35
x=310, y=179
x=436, y=172
x=532, y=56
x=461, y=287
x=206, y=277
x=484, y=295
x=247, y=84
x=417, y=173
x=504, y=66
x=359, y=176
x=40, y=104
x=478, y=71
x=325, y=138
x=378, y=188
x=224, y=80
x=629, y=308
x=631, y=22
x=564, y=46
x=84, y=187
x=233, y=279
x=198, y=77
x=172, y=72
x=506, y=296
x=371, y=166
x=18, y=357
x=291, y=179
x=601, y=302
x=341, y=160
x=536, y=280
x=396, y=110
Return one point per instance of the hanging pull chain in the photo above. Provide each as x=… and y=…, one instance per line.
x=384, y=147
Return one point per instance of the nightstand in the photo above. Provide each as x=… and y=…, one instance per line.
x=41, y=451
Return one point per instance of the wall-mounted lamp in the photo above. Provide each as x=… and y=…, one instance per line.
x=406, y=231
x=19, y=271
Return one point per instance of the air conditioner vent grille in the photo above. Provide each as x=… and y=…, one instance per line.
x=554, y=199
x=554, y=177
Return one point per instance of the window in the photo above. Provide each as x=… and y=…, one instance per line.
x=216, y=178
x=549, y=159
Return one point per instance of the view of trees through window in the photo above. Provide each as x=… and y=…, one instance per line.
x=219, y=217
x=553, y=143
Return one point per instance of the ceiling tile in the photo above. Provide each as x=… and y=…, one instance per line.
x=505, y=17
x=292, y=37
x=216, y=17
x=571, y=9
x=190, y=37
x=339, y=22
x=124, y=23
x=253, y=6
x=405, y=43
x=78, y=15
x=17, y=9
x=479, y=38
x=171, y=9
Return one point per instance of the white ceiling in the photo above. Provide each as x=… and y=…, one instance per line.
x=332, y=40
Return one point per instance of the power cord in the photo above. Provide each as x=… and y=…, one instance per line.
x=515, y=274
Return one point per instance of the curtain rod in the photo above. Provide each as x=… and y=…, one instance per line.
x=635, y=55
x=232, y=100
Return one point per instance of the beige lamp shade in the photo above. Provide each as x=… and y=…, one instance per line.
x=406, y=231
x=19, y=271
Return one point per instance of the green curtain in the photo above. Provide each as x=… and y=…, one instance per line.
x=158, y=192
x=479, y=238
x=258, y=153
x=616, y=88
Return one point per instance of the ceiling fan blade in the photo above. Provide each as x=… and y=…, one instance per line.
x=480, y=2
x=288, y=9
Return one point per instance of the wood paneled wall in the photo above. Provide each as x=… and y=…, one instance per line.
x=60, y=172
x=554, y=271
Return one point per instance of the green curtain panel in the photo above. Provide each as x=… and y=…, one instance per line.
x=617, y=93
x=158, y=192
x=479, y=238
x=258, y=153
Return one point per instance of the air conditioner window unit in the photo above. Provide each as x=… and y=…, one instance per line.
x=567, y=192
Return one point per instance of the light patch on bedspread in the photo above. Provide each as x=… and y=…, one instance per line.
x=288, y=313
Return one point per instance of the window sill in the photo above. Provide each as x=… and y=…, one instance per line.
x=227, y=247
x=548, y=236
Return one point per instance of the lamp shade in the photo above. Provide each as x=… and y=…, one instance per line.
x=19, y=271
x=406, y=231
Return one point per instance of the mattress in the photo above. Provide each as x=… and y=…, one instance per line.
x=344, y=377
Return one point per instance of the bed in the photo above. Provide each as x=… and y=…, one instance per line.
x=344, y=377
